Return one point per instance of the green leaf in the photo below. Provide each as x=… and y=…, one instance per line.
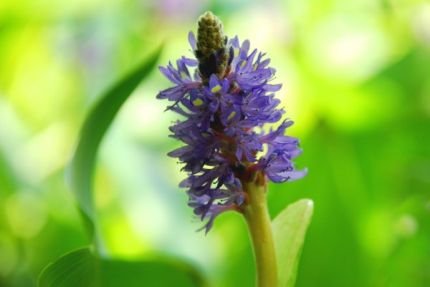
x=77, y=268
x=289, y=230
x=84, y=269
x=81, y=169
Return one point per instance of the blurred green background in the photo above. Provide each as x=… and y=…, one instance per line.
x=356, y=78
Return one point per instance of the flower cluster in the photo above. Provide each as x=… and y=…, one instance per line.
x=224, y=111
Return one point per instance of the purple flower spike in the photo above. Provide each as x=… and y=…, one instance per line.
x=223, y=102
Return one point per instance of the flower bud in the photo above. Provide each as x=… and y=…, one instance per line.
x=211, y=47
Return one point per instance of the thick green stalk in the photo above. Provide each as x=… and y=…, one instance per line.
x=259, y=225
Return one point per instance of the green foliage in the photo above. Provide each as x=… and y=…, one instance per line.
x=76, y=268
x=93, y=130
x=289, y=231
x=83, y=268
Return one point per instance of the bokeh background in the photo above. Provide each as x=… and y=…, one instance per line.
x=356, y=78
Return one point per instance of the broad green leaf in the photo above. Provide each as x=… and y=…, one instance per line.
x=289, y=231
x=84, y=269
x=77, y=268
x=95, y=126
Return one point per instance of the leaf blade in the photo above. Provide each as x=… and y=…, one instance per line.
x=83, y=268
x=68, y=269
x=289, y=231
x=81, y=168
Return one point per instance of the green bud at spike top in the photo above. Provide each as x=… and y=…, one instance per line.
x=211, y=47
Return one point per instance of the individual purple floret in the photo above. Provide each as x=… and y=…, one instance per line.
x=225, y=98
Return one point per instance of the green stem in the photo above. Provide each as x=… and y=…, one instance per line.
x=259, y=225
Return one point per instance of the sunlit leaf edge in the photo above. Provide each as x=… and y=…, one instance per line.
x=81, y=168
x=289, y=230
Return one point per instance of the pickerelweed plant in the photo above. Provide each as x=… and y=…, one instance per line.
x=226, y=99
x=227, y=105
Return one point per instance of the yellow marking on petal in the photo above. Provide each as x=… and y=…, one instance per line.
x=236, y=52
x=216, y=89
x=231, y=116
x=255, y=67
x=197, y=102
x=184, y=75
x=243, y=64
